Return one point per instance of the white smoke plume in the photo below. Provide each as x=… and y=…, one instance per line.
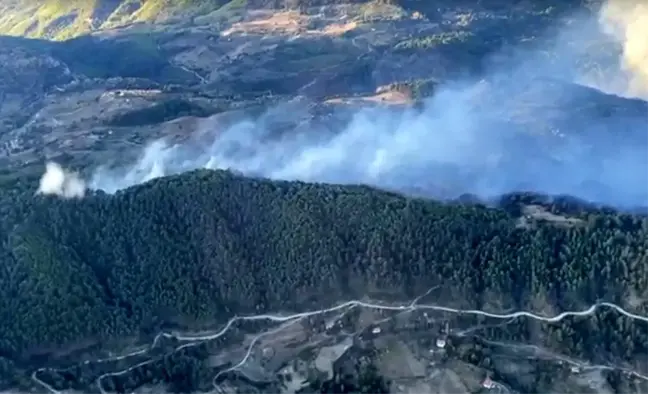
x=60, y=182
x=466, y=139
x=627, y=22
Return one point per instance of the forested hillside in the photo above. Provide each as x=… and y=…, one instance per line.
x=195, y=249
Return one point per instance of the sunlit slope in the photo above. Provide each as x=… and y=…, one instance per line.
x=56, y=19
x=60, y=20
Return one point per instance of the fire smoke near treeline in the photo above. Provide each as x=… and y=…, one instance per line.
x=465, y=140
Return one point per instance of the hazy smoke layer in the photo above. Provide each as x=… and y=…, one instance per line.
x=481, y=137
x=57, y=181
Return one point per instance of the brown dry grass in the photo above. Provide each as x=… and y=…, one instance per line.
x=288, y=23
x=337, y=29
x=385, y=98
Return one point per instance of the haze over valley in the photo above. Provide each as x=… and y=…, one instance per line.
x=500, y=124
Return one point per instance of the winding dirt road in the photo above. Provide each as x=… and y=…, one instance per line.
x=293, y=318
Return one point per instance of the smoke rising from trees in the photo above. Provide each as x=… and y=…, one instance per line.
x=467, y=139
x=60, y=182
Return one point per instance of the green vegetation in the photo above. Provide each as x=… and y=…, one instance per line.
x=136, y=57
x=50, y=19
x=62, y=20
x=417, y=89
x=133, y=56
x=195, y=249
x=160, y=112
x=364, y=380
x=445, y=38
x=382, y=10
x=234, y=5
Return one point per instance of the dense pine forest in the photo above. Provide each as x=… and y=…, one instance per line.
x=193, y=250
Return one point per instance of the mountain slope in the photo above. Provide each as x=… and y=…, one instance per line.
x=53, y=19
x=190, y=251
x=61, y=20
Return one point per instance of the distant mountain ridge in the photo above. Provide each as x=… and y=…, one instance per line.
x=61, y=20
x=57, y=20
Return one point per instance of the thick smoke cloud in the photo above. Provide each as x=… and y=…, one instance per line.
x=60, y=182
x=475, y=136
x=627, y=21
